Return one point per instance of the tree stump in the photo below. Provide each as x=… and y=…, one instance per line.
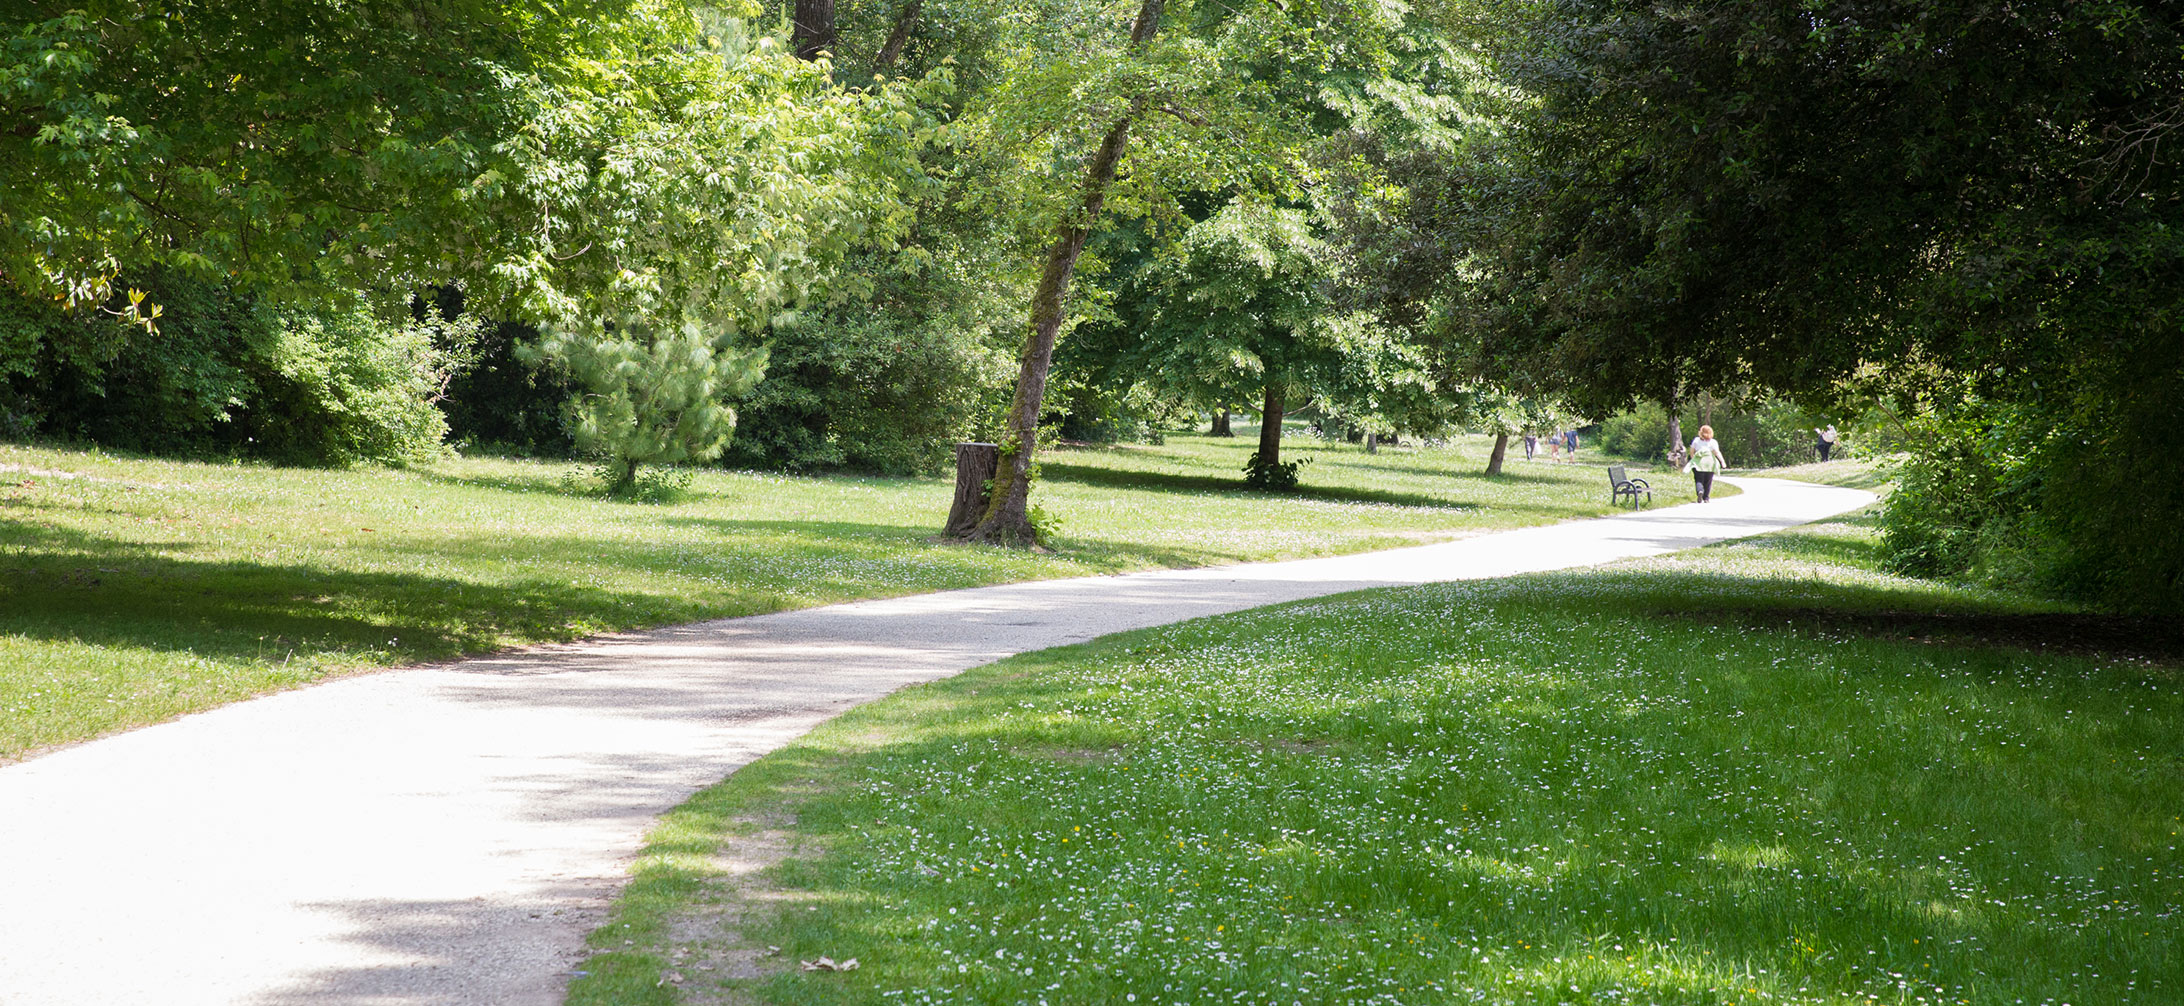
x=975, y=465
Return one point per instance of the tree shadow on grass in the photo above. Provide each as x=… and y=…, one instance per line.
x=1234, y=487
x=2146, y=639
x=84, y=588
x=1099, y=554
x=559, y=484
x=1725, y=882
x=1838, y=611
x=1848, y=550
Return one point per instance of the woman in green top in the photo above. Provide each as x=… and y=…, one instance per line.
x=1706, y=459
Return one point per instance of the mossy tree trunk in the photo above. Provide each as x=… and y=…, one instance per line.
x=1008, y=519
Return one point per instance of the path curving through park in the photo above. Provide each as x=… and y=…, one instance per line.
x=450, y=834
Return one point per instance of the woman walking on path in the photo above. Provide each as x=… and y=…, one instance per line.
x=1826, y=444
x=1706, y=459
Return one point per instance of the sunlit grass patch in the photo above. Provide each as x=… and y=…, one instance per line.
x=1875, y=473
x=132, y=590
x=1664, y=782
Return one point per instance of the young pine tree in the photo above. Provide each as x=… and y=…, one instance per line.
x=653, y=390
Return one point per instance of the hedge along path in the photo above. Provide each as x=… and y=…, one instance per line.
x=451, y=834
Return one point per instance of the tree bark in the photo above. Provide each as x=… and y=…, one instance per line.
x=1372, y=442
x=1221, y=424
x=811, y=26
x=1270, y=422
x=1501, y=450
x=1675, y=427
x=974, y=467
x=896, y=39
x=1008, y=518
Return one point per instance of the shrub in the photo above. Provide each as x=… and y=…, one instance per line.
x=1261, y=472
x=224, y=374
x=880, y=393
x=654, y=387
x=348, y=386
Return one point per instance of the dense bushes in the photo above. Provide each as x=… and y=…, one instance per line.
x=877, y=393
x=502, y=405
x=225, y=375
x=2078, y=498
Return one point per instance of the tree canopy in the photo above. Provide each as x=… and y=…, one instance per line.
x=1942, y=203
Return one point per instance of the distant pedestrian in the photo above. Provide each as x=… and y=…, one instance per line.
x=1531, y=445
x=1554, y=446
x=1572, y=435
x=1827, y=441
x=1706, y=459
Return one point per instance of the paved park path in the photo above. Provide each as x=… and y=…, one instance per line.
x=449, y=834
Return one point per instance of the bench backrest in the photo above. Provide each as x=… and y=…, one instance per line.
x=1615, y=475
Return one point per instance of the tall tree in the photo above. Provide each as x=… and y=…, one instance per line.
x=1200, y=109
x=594, y=168
x=1007, y=519
x=812, y=28
x=1969, y=200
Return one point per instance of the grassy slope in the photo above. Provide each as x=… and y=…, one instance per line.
x=1758, y=772
x=1875, y=474
x=136, y=590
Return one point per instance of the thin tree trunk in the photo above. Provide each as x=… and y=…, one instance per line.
x=898, y=38
x=1372, y=442
x=1675, y=426
x=1008, y=519
x=812, y=28
x=1501, y=450
x=625, y=477
x=1221, y=424
x=1270, y=422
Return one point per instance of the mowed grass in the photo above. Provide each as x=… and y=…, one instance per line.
x=1761, y=772
x=134, y=590
x=1876, y=474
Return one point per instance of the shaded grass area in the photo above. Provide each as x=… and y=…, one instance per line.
x=1749, y=773
x=133, y=590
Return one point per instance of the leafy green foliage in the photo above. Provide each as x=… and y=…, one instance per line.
x=325, y=146
x=351, y=386
x=889, y=373
x=227, y=375
x=503, y=405
x=1873, y=200
x=1262, y=472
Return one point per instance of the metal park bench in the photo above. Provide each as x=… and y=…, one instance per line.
x=1620, y=485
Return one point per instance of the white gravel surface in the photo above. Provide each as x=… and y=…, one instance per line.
x=450, y=834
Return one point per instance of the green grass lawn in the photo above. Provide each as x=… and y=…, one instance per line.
x=1758, y=772
x=134, y=590
x=1875, y=474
